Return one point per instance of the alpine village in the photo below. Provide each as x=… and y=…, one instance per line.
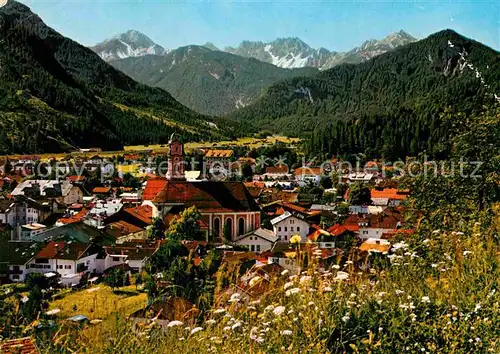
x=266, y=198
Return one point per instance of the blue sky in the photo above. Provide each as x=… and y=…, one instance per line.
x=335, y=25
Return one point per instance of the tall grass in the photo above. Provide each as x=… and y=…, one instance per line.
x=436, y=293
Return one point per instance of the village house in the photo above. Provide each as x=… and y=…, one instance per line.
x=66, y=258
x=63, y=191
x=374, y=226
x=218, y=158
x=134, y=254
x=308, y=175
x=259, y=240
x=287, y=225
x=277, y=172
x=388, y=197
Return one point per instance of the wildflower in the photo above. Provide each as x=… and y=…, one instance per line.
x=255, y=302
x=335, y=266
x=349, y=262
x=269, y=308
x=287, y=285
x=327, y=289
x=210, y=322
x=434, y=265
x=292, y=291
x=285, y=272
x=311, y=303
x=346, y=317
x=236, y=296
x=219, y=311
x=467, y=252
x=196, y=330
x=342, y=275
x=382, y=293
x=227, y=328
x=278, y=311
x=254, y=281
x=295, y=239
x=286, y=332
x=236, y=326
x=425, y=299
x=304, y=279
x=175, y=323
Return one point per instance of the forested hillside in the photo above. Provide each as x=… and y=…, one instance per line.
x=390, y=105
x=207, y=81
x=58, y=95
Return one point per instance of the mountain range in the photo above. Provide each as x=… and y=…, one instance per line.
x=215, y=82
x=289, y=53
x=294, y=53
x=207, y=81
x=392, y=103
x=57, y=95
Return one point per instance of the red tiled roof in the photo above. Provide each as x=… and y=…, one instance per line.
x=62, y=250
x=101, y=190
x=282, y=169
x=76, y=178
x=391, y=193
x=124, y=227
x=25, y=345
x=219, y=153
x=208, y=196
x=143, y=213
x=74, y=218
x=153, y=187
x=337, y=229
x=368, y=246
x=389, y=219
x=318, y=171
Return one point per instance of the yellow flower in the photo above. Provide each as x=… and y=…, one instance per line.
x=295, y=239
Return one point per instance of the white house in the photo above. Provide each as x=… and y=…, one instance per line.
x=68, y=259
x=135, y=255
x=63, y=190
x=287, y=225
x=260, y=240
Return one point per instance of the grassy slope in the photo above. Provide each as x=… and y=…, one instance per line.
x=439, y=296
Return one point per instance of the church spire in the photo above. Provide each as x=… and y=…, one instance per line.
x=176, y=159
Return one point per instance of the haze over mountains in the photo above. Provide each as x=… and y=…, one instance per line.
x=216, y=82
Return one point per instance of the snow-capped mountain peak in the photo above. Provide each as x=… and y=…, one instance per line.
x=295, y=53
x=125, y=45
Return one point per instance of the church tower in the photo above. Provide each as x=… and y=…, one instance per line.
x=176, y=159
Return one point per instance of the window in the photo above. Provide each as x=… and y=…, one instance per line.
x=229, y=228
x=241, y=226
x=15, y=277
x=217, y=226
x=286, y=237
x=67, y=267
x=258, y=248
x=298, y=229
x=291, y=228
x=252, y=248
x=116, y=259
x=279, y=228
x=286, y=229
x=365, y=232
x=59, y=266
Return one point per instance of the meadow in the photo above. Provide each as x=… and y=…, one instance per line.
x=435, y=293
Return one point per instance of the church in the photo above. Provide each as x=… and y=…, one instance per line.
x=227, y=208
